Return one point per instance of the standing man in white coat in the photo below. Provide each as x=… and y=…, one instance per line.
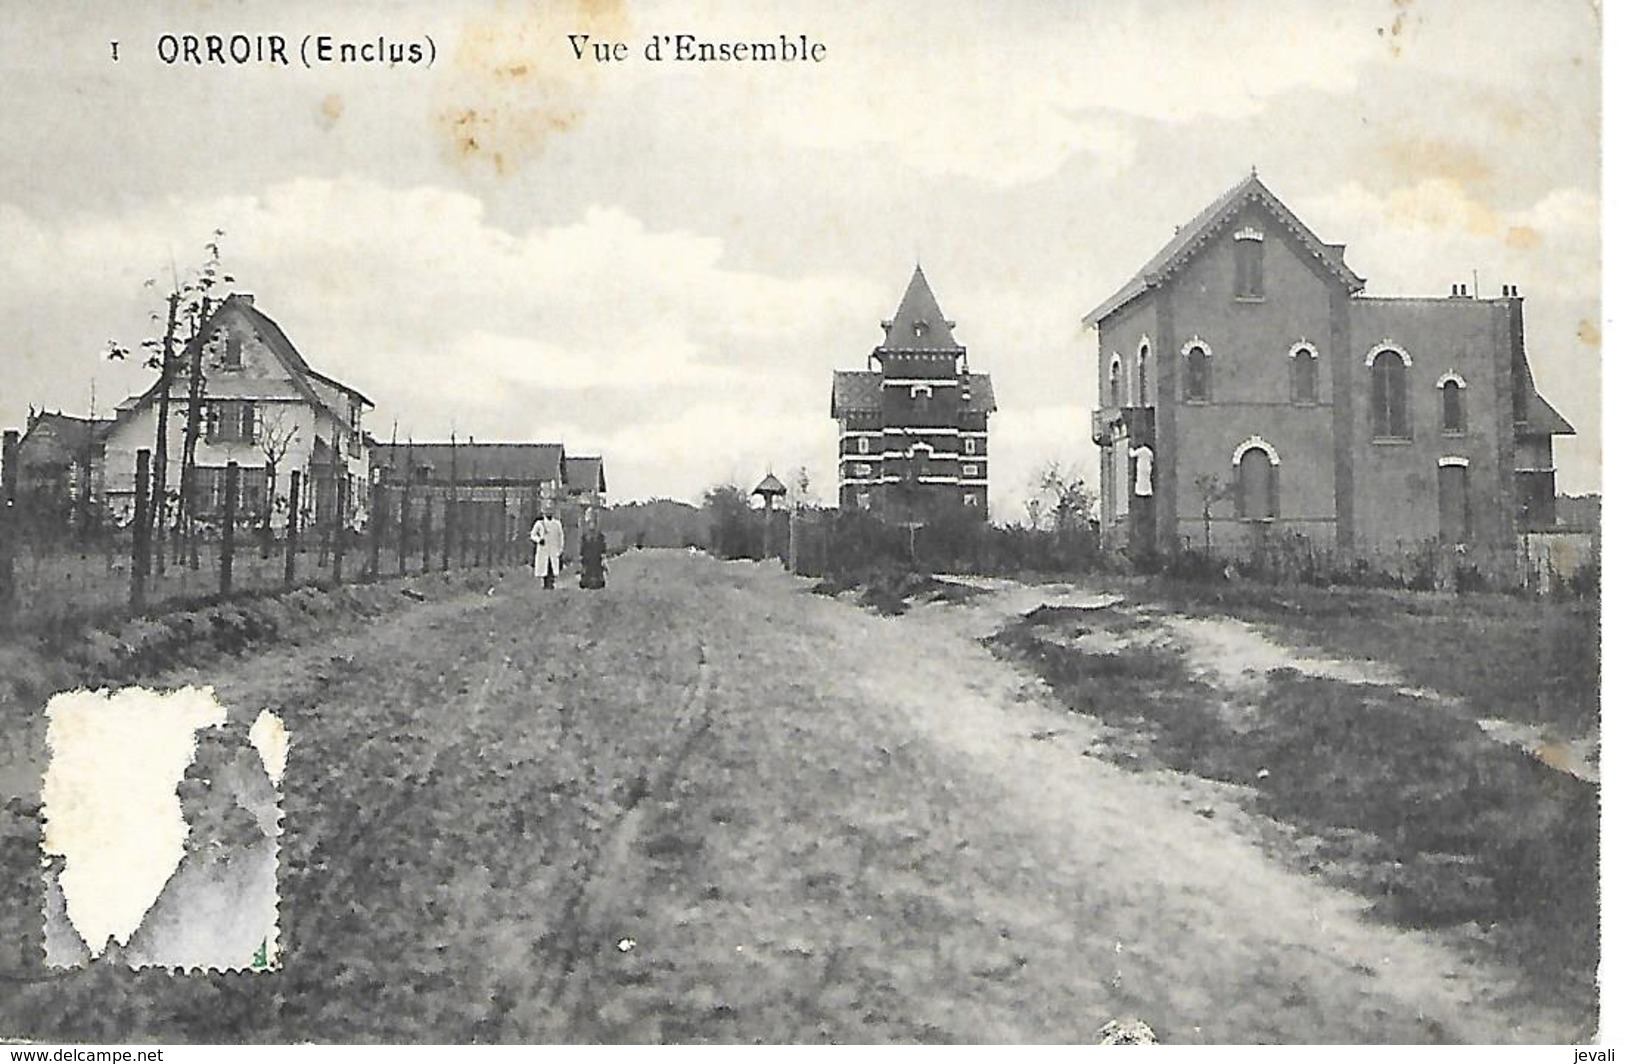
x=548, y=535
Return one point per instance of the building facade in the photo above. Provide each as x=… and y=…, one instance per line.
x=914, y=425
x=62, y=462
x=501, y=484
x=1249, y=387
x=264, y=408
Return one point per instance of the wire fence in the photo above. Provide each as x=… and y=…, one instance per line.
x=53, y=570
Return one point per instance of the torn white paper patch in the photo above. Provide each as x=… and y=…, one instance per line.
x=160, y=830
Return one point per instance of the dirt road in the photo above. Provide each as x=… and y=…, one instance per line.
x=707, y=805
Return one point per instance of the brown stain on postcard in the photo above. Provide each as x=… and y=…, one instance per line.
x=1522, y=238
x=1395, y=30
x=1588, y=333
x=515, y=82
x=1421, y=158
x=330, y=110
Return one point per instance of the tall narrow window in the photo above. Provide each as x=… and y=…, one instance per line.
x=863, y=445
x=1249, y=264
x=1389, y=419
x=1141, y=381
x=1453, y=516
x=1198, y=374
x=1452, y=410
x=1256, y=483
x=1114, y=381
x=1305, y=381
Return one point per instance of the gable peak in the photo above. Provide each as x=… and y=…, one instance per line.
x=919, y=323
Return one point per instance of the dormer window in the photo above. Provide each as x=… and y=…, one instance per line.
x=1249, y=263
x=921, y=328
x=228, y=350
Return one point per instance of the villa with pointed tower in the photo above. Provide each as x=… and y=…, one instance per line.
x=1249, y=387
x=913, y=426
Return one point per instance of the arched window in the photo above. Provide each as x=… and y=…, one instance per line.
x=1114, y=381
x=1305, y=375
x=1198, y=374
x=1389, y=387
x=1452, y=407
x=1249, y=264
x=1141, y=360
x=1255, y=485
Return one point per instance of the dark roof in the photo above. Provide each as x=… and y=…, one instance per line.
x=919, y=324
x=770, y=485
x=584, y=472
x=513, y=463
x=1543, y=419
x=981, y=394
x=854, y=391
x=859, y=391
x=1194, y=234
x=275, y=340
x=75, y=433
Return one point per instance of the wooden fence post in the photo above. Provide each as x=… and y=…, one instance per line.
x=8, y=524
x=446, y=514
x=375, y=528
x=292, y=546
x=427, y=527
x=402, y=529
x=228, y=530
x=266, y=507
x=140, y=553
x=341, y=526
x=462, y=535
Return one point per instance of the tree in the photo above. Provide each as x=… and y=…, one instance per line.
x=189, y=299
x=198, y=300
x=277, y=433
x=1212, y=490
x=727, y=509
x=1062, y=497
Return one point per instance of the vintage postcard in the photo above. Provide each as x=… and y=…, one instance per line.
x=594, y=521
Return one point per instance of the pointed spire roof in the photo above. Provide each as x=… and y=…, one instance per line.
x=1194, y=235
x=919, y=324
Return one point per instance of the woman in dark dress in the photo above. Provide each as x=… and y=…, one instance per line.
x=592, y=551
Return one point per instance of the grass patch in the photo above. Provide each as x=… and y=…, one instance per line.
x=889, y=589
x=1536, y=661
x=1392, y=795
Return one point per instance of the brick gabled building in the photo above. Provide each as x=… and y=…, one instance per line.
x=914, y=426
x=1249, y=387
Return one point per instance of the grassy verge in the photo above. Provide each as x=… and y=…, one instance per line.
x=1535, y=661
x=1385, y=793
x=889, y=590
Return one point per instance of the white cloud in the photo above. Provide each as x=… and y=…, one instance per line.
x=1007, y=96
x=601, y=332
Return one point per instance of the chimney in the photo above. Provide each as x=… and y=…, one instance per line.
x=245, y=297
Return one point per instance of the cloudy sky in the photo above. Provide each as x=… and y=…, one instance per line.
x=663, y=262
